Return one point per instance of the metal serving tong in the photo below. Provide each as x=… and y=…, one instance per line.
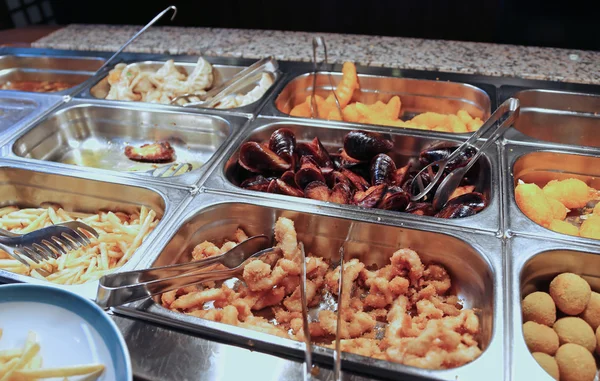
x=314, y=109
x=126, y=287
x=236, y=83
x=435, y=170
x=45, y=243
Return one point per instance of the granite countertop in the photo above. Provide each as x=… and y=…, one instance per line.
x=577, y=66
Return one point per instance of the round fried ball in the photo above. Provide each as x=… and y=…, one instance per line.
x=548, y=363
x=591, y=314
x=540, y=308
x=570, y=292
x=563, y=227
x=575, y=363
x=575, y=330
x=540, y=338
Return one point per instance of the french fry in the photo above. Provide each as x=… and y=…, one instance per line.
x=66, y=371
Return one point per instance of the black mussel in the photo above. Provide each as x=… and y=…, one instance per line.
x=341, y=194
x=383, y=170
x=322, y=158
x=306, y=149
x=401, y=175
x=474, y=200
x=359, y=183
x=289, y=177
x=370, y=197
x=309, y=171
x=280, y=187
x=364, y=145
x=283, y=143
x=336, y=177
x=443, y=151
x=395, y=198
x=456, y=211
x=413, y=188
x=257, y=183
x=317, y=190
x=420, y=209
x=259, y=158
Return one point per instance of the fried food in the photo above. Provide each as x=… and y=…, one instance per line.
x=120, y=234
x=563, y=227
x=548, y=363
x=570, y=292
x=540, y=338
x=380, y=112
x=575, y=363
x=36, y=86
x=572, y=193
x=575, y=330
x=533, y=202
x=598, y=340
x=540, y=308
x=590, y=228
x=159, y=152
x=591, y=314
x=426, y=325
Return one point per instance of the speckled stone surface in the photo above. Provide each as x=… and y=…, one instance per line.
x=576, y=66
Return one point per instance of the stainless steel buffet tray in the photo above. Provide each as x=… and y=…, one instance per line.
x=94, y=134
x=531, y=265
x=474, y=261
x=331, y=134
x=73, y=70
x=31, y=184
x=221, y=72
x=417, y=95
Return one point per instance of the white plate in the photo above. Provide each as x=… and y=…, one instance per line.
x=71, y=330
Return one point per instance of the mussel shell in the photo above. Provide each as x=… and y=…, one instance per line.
x=456, y=211
x=258, y=158
x=383, y=170
x=370, y=197
x=322, y=158
x=309, y=171
x=394, y=199
x=283, y=143
x=364, y=145
x=289, y=177
x=280, y=187
x=420, y=209
x=443, y=151
x=358, y=182
x=336, y=177
x=317, y=190
x=401, y=175
x=341, y=194
x=475, y=200
x=256, y=183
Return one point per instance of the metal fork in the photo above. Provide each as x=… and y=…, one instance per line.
x=126, y=287
x=48, y=242
x=171, y=170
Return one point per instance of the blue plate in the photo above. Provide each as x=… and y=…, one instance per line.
x=71, y=330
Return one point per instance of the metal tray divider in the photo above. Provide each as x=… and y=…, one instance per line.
x=150, y=311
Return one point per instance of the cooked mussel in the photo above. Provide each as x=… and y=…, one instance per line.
x=383, y=170
x=364, y=145
x=420, y=209
x=289, y=177
x=283, y=143
x=309, y=171
x=358, y=182
x=456, y=211
x=280, y=187
x=256, y=183
x=443, y=151
x=474, y=200
x=317, y=190
x=258, y=158
x=370, y=197
x=395, y=198
x=341, y=194
x=335, y=177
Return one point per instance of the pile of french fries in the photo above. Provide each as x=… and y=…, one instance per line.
x=25, y=364
x=120, y=234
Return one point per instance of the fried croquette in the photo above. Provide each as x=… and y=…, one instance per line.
x=591, y=314
x=590, y=228
x=558, y=209
x=598, y=340
x=575, y=330
x=540, y=338
x=533, y=203
x=575, y=363
x=548, y=363
x=572, y=193
x=540, y=308
x=570, y=292
x=596, y=210
x=563, y=227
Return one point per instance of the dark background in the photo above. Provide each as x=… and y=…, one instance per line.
x=572, y=24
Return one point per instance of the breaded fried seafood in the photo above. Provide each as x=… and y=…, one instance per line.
x=570, y=292
x=540, y=308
